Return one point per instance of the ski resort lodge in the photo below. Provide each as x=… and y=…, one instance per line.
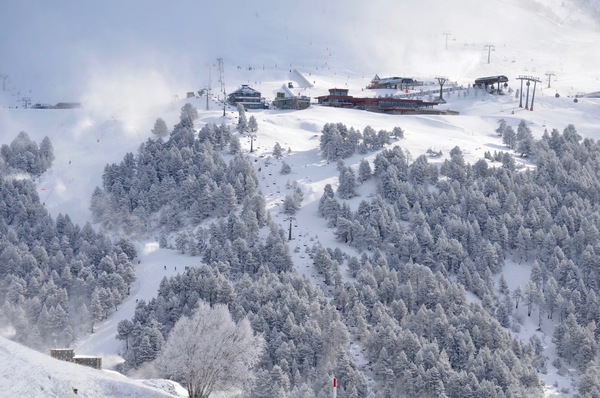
x=286, y=99
x=339, y=98
x=248, y=97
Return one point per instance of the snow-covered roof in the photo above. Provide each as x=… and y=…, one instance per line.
x=286, y=91
x=491, y=79
x=246, y=90
x=394, y=79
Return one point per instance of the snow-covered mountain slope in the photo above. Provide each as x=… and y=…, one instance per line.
x=126, y=84
x=84, y=145
x=27, y=373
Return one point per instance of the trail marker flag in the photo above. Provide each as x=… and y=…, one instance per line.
x=334, y=387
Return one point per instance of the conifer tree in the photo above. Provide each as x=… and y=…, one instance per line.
x=347, y=187
x=364, y=171
x=242, y=125
x=252, y=124
x=160, y=129
x=277, y=151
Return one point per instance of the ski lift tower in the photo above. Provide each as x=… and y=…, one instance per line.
x=222, y=81
x=441, y=80
x=490, y=47
x=549, y=74
x=290, y=218
x=447, y=34
x=208, y=87
x=528, y=79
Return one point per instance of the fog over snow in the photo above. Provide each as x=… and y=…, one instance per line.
x=125, y=62
x=105, y=53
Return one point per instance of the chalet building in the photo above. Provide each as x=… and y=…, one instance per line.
x=286, y=99
x=67, y=354
x=342, y=92
x=248, y=97
x=339, y=98
x=395, y=82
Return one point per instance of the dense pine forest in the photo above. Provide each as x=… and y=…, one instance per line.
x=57, y=278
x=425, y=303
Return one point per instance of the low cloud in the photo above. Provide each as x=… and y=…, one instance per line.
x=8, y=331
x=127, y=92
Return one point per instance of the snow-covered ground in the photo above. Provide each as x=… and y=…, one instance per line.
x=154, y=265
x=122, y=103
x=472, y=131
x=28, y=373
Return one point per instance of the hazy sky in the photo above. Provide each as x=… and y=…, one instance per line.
x=68, y=50
x=58, y=39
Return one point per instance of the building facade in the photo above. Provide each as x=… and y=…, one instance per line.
x=339, y=98
x=67, y=354
x=286, y=99
x=394, y=82
x=248, y=97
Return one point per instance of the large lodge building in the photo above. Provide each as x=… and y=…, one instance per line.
x=338, y=97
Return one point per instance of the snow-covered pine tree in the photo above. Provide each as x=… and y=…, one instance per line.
x=242, y=126
x=347, y=186
x=277, y=151
x=160, y=129
x=252, y=124
x=364, y=171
